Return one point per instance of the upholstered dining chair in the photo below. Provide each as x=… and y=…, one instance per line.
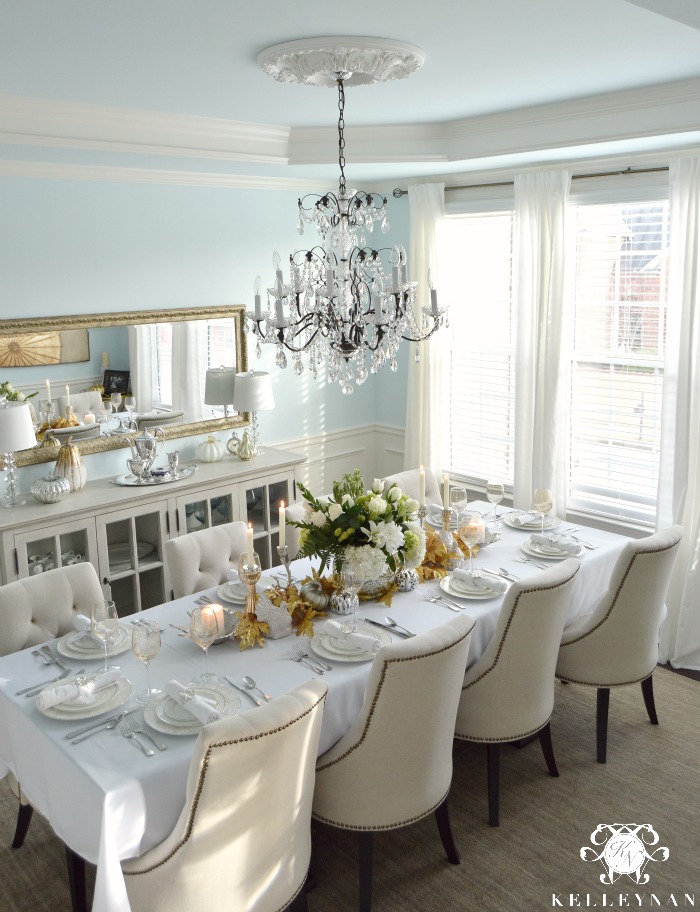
x=296, y=512
x=394, y=765
x=81, y=403
x=618, y=642
x=243, y=838
x=32, y=611
x=409, y=482
x=158, y=419
x=508, y=693
x=201, y=559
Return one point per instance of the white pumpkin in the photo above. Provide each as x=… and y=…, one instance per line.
x=211, y=450
x=70, y=465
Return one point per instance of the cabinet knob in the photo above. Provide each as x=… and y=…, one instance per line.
x=106, y=581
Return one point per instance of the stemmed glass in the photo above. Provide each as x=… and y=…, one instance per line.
x=145, y=644
x=130, y=405
x=542, y=503
x=48, y=407
x=204, y=629
x=105, y=623
x=458, y=498
x=351, y=580
x=116, y=400
x=470, y=528
x=495, y=492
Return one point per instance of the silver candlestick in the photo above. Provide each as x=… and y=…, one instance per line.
x=283, y=554
x=422, y=513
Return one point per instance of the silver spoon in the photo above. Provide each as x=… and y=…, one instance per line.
x=507, y=574
x=392, y=623
x=251, y=685
x=47, y=660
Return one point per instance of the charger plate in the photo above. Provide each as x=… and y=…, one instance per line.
x=550, y=522
x=532, y=549
x=330, y=646
x=165, y=715
x=75, y=645
x=447, y=585
x=105, y=700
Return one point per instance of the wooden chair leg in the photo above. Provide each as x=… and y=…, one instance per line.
x=366, y=863
x=648, y=694
x=492, y=774
x=601, y=734
x=545, y=736
x=442, y=817
x=24, y=818
x=76, y=881
x=300, y=903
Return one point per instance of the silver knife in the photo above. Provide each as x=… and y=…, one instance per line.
x=399, y=632
x=28, y=691
x=87, y=728
x=244, y=691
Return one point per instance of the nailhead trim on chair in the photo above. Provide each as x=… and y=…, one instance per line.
x=507, y=627
x=505, y=740
x=388, y=826
x=378, y=691
x=200, y=785
x=616, y=684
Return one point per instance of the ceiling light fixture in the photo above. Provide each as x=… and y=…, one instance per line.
x=346, y=302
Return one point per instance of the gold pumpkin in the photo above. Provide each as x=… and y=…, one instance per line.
x=70, y=465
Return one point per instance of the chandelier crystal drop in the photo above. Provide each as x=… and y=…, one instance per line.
x=346, y=302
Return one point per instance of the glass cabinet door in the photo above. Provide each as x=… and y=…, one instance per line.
x=261, y=510
x=211, y=509
x=55, y=546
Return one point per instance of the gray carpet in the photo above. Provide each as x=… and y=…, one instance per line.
x=652, y=776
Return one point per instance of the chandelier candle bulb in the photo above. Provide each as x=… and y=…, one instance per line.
x=279, y=311
x=256, y=291
x=329, y=281
x=282, y=520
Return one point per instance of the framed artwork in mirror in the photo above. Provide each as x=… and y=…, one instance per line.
x=116, y=382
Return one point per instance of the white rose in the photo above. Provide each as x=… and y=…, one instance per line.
x=347, y=500
x=377, y=506
x=318, y=518
x=394, y=494
x=377, y=486
x=20, y=397
x=334, y=511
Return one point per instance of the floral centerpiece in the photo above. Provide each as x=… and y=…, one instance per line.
x=375, y=531
x=8, y=392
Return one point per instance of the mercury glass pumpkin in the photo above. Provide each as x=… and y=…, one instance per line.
x=51, y=489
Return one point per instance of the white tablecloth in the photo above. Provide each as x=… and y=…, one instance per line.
x=107, y=801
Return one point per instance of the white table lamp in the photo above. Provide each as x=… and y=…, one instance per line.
x=16, y=433
x=218, y=387
x=253, y=393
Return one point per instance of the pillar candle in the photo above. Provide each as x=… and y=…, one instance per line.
x=249, y=544
x=218, y=612
x=67, y=394
x=421, y=479
x=445, y=491
x=88, y=418
x=282, y=525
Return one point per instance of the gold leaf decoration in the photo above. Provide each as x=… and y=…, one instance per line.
x=250, y=631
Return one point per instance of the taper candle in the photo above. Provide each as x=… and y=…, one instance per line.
x=249, y=543
x=282, y=525
x=421, y=480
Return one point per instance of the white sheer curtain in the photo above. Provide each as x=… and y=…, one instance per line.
x=540, y=403
x=189, y=368
x=141, y=366
x=422, y=442
x=679, y=471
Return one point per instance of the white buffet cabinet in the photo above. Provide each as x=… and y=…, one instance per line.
x=121, y=530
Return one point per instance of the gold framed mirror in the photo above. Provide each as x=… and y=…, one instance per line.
x=235, y=312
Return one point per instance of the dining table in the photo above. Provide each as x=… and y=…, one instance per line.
x=108, y=801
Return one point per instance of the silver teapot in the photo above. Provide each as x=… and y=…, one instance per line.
x=146, y=446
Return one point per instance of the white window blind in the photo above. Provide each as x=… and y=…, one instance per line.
x=479, y=368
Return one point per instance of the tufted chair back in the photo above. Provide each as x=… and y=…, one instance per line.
x=297, y=512
x=243, y=839
x=409, y=482
x=42, y=607
x=200, y=560
x=81, y=403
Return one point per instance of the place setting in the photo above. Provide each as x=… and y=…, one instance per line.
x=357, y=641
x=552, y=546
x=101, y=636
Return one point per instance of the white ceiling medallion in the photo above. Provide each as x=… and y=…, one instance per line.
x=361, y=61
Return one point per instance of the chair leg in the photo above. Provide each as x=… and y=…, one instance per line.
x=76, y=881
x=300, y=903
x=545, y=736
x=24, y=818
x=601, y=733
x=442, y=816
x=366, y=863
x=648, y=694
x=492, y=774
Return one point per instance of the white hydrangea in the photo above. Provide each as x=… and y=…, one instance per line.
x=415, y=545
x=318, y=518
x=370, y=561
x=385, y=535
x=334, y=511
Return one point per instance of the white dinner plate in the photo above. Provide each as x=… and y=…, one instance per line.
x=74, y=645
x=121, y=552
x=447, y=586
x=114, y=695
x=470, y=588
x=165, y=715
x=534, y=550
x=330, y=646
x=550, y=522
x=436, y=523
x=236, y=592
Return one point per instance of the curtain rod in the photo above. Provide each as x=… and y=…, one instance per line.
x=398, y=193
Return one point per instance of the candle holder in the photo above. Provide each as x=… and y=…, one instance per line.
x=422, y=513
x=447, y=537
x=249, y=571
x=48, y=407
x=283, y=554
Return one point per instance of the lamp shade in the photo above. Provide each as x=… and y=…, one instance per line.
x=253, y=392
x=218, y=386
x=16, y=428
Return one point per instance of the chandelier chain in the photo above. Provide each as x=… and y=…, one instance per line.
x=341, y=134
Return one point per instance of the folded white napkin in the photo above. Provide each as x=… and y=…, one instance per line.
x=565, y=545
x=523, y=519
x=197, y=706
x=84, y=625
x=84, y=693
x=487, y=582
x=361, y=640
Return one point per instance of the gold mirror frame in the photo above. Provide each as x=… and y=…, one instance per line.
x=236, y=312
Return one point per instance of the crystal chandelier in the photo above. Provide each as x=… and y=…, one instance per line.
x=346, y=302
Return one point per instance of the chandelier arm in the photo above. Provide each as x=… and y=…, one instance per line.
x=422, y=338
x=341, y=135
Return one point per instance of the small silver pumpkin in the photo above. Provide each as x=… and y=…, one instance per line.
x=312, y=592
x=406, y=580
x=51, y=489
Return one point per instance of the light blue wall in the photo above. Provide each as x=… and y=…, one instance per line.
x=87, y=246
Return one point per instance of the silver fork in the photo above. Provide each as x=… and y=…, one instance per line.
x=295, y=654
x=441, y=600
x=136, y=726
x=528, y=560
x=126, y=731
x=305, y=655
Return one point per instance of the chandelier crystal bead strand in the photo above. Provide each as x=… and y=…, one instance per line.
x=347, y=302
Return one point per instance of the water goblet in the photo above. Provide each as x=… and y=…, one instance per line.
x=542, y=503
x=204, y=629
x=48, y=407
x=116, y=400
x=458, y=498
x=105, y=623
x=130, y=405
x=351, y=580
x=495, y=492
x=470, y=528
x=145, y=644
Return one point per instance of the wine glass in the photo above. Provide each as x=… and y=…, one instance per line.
x=470, y=528
x=351, y=580
x=542, y=503
x=458, y=498
x=105, y=623
x=495, y=492
x=130, y=405
x=48, y=407
x=145, y=644
x=116, y=400
x=204, y=629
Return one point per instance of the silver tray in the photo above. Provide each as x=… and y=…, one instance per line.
x=131, y=481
